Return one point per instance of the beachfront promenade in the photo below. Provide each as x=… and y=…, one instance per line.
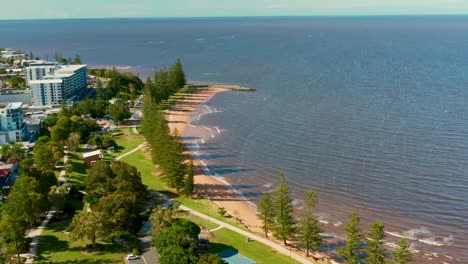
x=36, y=233
x=265, y=241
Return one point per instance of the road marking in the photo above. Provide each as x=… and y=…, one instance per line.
x=143, y=258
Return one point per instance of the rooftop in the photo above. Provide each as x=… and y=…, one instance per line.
x=15, y=105
x=91, y=153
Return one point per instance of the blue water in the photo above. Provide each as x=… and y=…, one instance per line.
x=369, y=111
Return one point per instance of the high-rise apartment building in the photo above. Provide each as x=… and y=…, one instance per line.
x=52, y=84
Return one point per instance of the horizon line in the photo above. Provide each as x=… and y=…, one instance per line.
x=259, y=16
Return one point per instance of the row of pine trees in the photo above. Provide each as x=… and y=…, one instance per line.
x=276, y=210
x=166, y=148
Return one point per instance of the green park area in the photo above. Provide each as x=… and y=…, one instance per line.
x=223, y=238
x=56, y=246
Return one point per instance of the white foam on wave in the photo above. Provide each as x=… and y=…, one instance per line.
x=219, y=130
x=267, y=185
x=337, y=223
x=423, y=235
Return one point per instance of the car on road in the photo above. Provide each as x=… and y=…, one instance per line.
x=132, y=257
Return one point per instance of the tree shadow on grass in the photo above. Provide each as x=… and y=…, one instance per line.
x=49, y=244
x=223, y=250
x=81, y=261
x=87, y=253
x=78, y=166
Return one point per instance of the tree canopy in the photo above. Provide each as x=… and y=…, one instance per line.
x=310, y=228
x=284, y=227
x=352, y=250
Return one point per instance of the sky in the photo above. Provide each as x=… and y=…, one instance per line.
x=44, y=9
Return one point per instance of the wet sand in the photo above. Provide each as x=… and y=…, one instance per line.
x=206, y=186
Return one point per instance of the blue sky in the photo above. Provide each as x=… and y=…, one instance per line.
x=31, y=9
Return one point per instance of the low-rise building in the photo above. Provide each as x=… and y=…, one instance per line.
x=23, y=96
x=91, y=157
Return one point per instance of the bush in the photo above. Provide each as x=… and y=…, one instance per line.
x=222, y=211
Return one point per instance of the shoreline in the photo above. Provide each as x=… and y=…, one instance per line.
x=207, y=186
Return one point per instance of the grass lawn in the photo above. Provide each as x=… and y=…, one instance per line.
x=258, y=252
x=139, y=160
x=125, y=143
x=147, y=169
x=174, y=98
x=55, y=246
x=224, y=238
x=199, y=221
x=79, y=170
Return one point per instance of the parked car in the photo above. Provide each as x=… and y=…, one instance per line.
x=132, y=257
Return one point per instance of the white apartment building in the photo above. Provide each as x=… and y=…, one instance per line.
x=50, y=85
x=35, y=70
x=12, y=128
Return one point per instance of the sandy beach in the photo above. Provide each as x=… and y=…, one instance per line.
x=206, y=186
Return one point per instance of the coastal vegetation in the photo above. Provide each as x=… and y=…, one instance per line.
x=111, y=209
x=278, y=217
x=26, y=202
x=114, y=194
x=176, y=239
x=166, y=148
x=60, y=59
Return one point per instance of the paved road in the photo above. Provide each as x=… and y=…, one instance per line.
x=149, y=254
x=267, y=242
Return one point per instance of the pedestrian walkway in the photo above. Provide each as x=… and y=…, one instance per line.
x=267, y=242
x=35, y=235
x=131, y=151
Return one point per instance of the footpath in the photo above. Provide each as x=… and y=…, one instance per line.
x=267, y=242
x=36, y=233
x=149, y=252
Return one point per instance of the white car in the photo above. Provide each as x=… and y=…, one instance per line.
x=132, y=257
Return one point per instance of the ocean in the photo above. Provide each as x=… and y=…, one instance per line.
x=371, y=112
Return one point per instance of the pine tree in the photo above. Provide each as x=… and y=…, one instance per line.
x=162, y=85
x=402, y=253
x=266, y=213
x=284, y=220
x=77, y=59
x=189, y=184
x=177, y=76
x=375, y=242
x=309, y=225
x=351, y=251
